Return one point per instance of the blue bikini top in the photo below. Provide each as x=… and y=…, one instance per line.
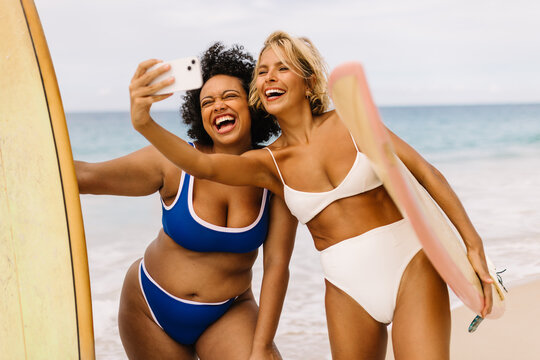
x=188, y=230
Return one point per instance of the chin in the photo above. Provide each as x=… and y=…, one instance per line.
x=230, y=139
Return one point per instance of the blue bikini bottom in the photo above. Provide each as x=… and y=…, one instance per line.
x=182, y=320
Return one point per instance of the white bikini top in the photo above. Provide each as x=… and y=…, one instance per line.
x=306, y=205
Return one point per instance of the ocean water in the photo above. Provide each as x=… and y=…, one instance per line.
x=489, y=154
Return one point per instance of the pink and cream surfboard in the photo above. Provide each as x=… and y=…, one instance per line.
x=440, y=240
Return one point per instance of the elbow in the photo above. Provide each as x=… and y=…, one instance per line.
x=436, y=174
x=427, y=174
x=83, y=175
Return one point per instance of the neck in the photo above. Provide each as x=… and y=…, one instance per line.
x=296, y=125
x=236, y=148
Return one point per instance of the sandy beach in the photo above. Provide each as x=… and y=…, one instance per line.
x=490, y=156
x=516, y=335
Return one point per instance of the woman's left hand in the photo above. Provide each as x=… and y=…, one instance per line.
x=477, y=259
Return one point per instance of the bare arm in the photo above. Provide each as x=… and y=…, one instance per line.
x=437, y=186
x=137, y=174
x=247, y=169
x=277, y=254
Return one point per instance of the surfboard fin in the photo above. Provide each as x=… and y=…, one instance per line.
x=478, y=319
x=500, y=280
x=475, y=323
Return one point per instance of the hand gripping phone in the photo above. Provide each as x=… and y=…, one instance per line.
x=186, y=72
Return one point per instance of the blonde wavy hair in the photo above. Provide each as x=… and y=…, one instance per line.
x=305, y=60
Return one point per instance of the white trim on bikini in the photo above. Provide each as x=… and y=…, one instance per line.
x=182, y=176
x=169, y=207
x=223, y=228
x=324, y=193
x=141, y=266
x=190, y=302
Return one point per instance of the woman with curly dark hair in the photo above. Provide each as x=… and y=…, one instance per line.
x=236, y=63
x=191, y=294
x=375, y=270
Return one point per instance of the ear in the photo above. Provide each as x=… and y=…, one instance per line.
x=310, y=84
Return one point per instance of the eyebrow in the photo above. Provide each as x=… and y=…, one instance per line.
x=277, y=63
x=223, y=93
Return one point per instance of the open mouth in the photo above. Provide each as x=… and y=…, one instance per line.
x=273, y=94
x=224, y=123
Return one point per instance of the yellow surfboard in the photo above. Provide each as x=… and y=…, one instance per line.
x=45, y=304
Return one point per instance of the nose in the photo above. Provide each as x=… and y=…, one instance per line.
x=219, y=104
x=271, y=75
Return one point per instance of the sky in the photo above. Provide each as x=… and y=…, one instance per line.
x=415, y=52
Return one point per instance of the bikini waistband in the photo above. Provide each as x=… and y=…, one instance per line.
x=191, y=302
x=369, y=233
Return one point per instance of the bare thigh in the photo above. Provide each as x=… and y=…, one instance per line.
x=421, y=328
x=231, y=336
x=141, y=336
x=353, y=333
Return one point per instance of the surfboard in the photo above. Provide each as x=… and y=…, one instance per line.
x=439, y=239
x=45, y=304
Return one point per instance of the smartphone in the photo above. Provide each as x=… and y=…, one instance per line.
x=186, y=72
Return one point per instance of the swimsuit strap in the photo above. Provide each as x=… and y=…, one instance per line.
x=277, y=167
x=354, y=142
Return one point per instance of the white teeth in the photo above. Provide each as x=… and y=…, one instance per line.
x=222, y=119
x=274, y=92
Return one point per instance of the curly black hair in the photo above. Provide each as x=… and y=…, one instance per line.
x=235, y=61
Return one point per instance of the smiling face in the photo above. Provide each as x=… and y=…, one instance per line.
x=225, y=111
x=279, y=86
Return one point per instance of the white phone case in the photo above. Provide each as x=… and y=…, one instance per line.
x=186, y=72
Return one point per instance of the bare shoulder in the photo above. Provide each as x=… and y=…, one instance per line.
x=329, y=116
x=264, y=168
x=154, y=157
x=331, y=125
x=153, y=154
x=170, y=173
x=256, y=154
x=330, y=122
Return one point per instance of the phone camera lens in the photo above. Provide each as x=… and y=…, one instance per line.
x=189, y=67
x=193, y=61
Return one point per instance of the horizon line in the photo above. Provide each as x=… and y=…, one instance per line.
x=379, y=106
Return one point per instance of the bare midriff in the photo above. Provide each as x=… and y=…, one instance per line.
x=198, y=276
x=353, y=216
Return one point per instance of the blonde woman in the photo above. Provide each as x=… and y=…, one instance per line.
x=376, y=272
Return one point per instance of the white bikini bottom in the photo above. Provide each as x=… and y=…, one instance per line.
x=369, y=266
